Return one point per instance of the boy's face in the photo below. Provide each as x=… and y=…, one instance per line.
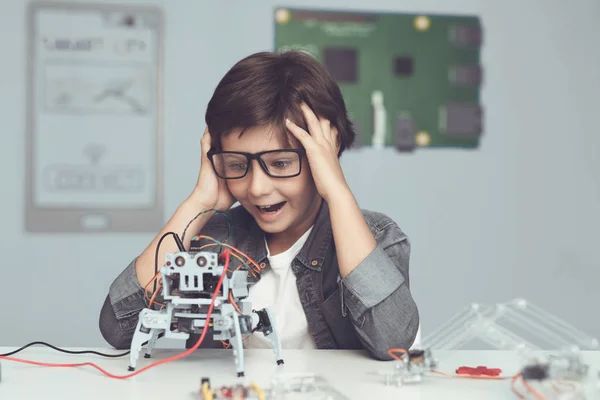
x=298, y=196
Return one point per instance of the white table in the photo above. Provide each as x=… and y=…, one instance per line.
x=348, y=371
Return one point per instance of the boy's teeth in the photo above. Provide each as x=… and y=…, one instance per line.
x=271, y=208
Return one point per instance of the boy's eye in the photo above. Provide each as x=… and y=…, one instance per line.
x=280, y=163
x=236, y=167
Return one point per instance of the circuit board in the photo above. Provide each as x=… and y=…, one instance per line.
x=283, y=386
x=231, y=392
x=409, y=81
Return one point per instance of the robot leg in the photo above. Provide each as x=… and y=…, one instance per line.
x=141, y=335
x=238, y=347
x=267, y=327
x=152, y=342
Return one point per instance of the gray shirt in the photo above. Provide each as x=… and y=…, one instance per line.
x=370, y=308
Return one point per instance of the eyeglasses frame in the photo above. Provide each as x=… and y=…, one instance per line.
x=256, y=156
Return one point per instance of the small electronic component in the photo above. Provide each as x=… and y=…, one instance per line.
x=535, y=372
x=466, y=35
x=410, y=368
x=461, y=120
x=342, y=63
x=405, y=134
x=283, y=385
x=557, y=376
x=564, y=366
x=466, y=75
x=231, y=392
x=403, y=66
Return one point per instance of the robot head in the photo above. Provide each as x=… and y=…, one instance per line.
x=193, y=272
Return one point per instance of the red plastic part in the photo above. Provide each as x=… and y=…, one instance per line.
x=478, y=371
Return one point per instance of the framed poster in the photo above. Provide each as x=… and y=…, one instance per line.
x=409, y=81
x=94, y=118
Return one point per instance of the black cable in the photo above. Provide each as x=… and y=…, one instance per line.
x=179, y=240
x=160, y=335
x=204, y=212
x=65, y=351
x=179, y=245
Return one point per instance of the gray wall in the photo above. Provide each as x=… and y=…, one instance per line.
x=518, y=217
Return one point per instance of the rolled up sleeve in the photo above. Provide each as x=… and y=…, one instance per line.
x=377, y=296
x=119, y=314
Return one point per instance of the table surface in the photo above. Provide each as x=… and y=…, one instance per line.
x=352, y=373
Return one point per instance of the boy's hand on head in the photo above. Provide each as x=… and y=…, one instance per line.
x=321, y=147
x=210, y=191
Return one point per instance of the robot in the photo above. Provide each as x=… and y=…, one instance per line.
x=189, y=280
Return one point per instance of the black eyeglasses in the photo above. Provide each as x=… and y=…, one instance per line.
x=276, y=163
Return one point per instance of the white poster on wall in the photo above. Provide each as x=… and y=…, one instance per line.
x=94, y=132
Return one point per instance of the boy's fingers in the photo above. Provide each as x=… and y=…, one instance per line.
x=298, y=132
x=335, y=138
x=329, y=132
x=205, y=139
x=325, y=126
x=314, y=125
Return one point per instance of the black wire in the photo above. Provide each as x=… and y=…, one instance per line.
x=160, y=335
x=156, y=256
x=65, y=351
x=204, y=212
x=180, y=241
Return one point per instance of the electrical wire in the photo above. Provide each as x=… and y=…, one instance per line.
x=179, y=244
x=513, y=385
x=469, y=376
x=243, y=264
x=393, y=353
x=233, y=251
x=157, y=363
x=181, y=241
x=230, y=247
x=76, y=352
x=531, y=390
x=63, y=351
x=204, y=212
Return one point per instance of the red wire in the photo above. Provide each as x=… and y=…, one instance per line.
x=166, y=360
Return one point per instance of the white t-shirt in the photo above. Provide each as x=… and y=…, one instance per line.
x=277, y=290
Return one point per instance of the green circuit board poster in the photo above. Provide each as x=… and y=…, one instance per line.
x=409, y=80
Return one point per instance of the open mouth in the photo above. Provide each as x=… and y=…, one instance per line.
x=270, y=209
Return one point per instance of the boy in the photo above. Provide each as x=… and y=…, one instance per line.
x=336, y=276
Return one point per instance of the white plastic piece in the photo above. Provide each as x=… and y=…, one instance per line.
x=379, y=120
x=409, y=370
x=514, y=325
x=308, y=385
x=566, y=376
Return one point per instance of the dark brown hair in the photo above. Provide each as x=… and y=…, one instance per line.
x=265, y=88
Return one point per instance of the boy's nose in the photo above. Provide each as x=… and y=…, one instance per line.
x=261, y=184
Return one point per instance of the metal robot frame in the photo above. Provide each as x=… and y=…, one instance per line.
x=189, y=280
